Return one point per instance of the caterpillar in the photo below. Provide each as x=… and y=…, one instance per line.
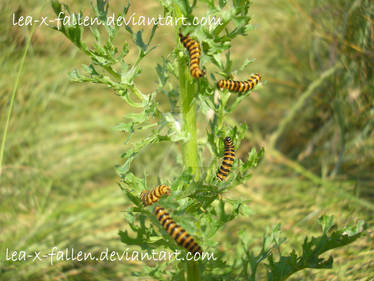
x=152, y=196
x=176, y=231
x=240, y=86
x=194, y=51
x=228, y=159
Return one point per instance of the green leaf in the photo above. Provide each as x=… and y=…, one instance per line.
x=102, y=9
x=139, y=41
x=127, y=127
x=312, y=249
x=326, y=223
x=222, y=3
x=246, y=63
x=137, y=117
x=144, y=235
x=56, y=6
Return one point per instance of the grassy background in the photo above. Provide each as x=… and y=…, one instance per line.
x=58, y=186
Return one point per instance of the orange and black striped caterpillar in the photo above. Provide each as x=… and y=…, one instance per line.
x=228, y=159
x=194, y=50
x=152, y=196
x=177, y=232
x=240, y=86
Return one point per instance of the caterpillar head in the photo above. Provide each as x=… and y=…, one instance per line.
x=228, y=140
x=258, y=75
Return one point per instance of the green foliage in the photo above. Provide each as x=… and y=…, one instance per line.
x=195, y=201
x=312, y=249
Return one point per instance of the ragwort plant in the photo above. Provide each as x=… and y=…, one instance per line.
x=196, y=200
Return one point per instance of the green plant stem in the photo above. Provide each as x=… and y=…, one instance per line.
x=224, y=97
x=15, y=87
x=112, y=72
x=189, y=148
x=193, y=272
x=188, y=102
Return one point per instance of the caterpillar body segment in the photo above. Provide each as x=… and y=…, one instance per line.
x=152, y=196
x=194, y=50
x=240, y=86
x=176, y=231
x=228, y=159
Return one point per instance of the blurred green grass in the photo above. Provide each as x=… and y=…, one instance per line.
x=58, y=185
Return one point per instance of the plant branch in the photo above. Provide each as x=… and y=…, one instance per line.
x=193, y=272
x=188, y=102
x=189, y=148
